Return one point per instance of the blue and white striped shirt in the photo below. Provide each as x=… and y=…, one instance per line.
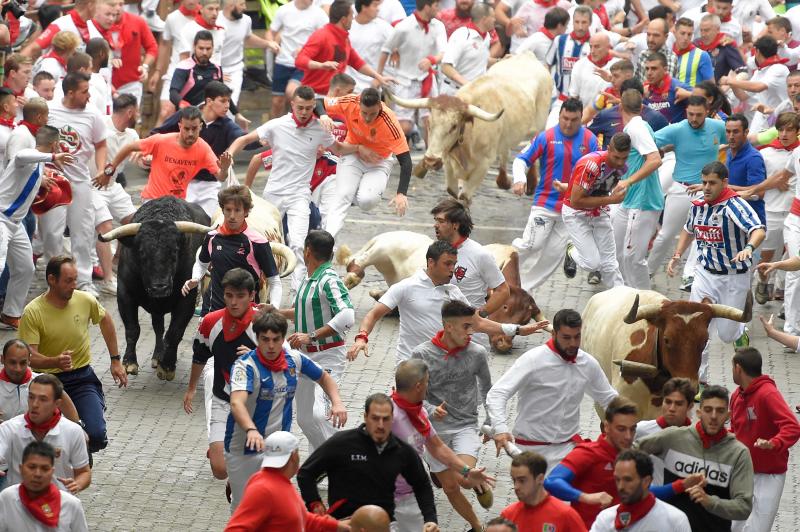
x=721, y=231
x=561, y=57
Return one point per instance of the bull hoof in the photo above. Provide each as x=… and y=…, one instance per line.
x=502, y=180
x=154, y=362
x=351, y=280
x=131, y=368
x=164, y=374
x=376, y=293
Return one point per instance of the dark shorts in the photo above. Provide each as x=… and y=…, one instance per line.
x=281, y=75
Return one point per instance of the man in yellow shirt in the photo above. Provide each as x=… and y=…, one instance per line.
x=56, y=326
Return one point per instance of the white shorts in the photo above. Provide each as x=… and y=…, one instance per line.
x=413, y=89
x=112, y=203
x=407, y=515
x=774, y=238
x=466, y=441
x=204, y=193
x=135, y=88
x=218, y=420
x=166, y=79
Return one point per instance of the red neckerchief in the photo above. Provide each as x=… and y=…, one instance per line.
x=8, y=122
x=707, y=440
x=471, y=25
x=232, y=327
x=299, y=123
x=713, y=44
x=662, y=88
x=422, y=22
x=4, y=376
x=710, y=9
x=277, y=365
x=437, y=341
x=16, y=93
x=187, y=13
x=33, y=129
x=663, y=422
x=45, y=508
x=726, y=194
x=44, y=427
x=778, y=146
x=579, y=40
x=792, y=44
x=602, y=14
x=224, y=230
x=210, y=27
x=546, y=3
x=774, y=60
x=80, y=24
x=551, y=344
x=547, y=33
x=628, y=514
x=684, y=51
x=54, y=55
x=415, y=414
x=603, y=62
x=108, y=35
x=458, y=243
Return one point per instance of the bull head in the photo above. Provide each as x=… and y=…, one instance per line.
x=132, y=229
x=426, y=103
x=650, y=312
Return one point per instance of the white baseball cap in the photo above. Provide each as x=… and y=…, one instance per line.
x=278, y=447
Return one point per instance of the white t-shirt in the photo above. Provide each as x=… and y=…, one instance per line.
x=645, y=428
x=114, y=142
x=391, y=11
x=14, y=398
x=641, y=138
x=468, y=52
x=475, y=272
x=774, y=76
x=538, y=43
x=732, y=28
x=236, y=31
x=5, y=134
x=100, y=98
x=415, y=44
x=173, y=25
x=66, y=23
x=793, y=165
x=186, y=41
x=80, y=130
x=776, y=200
x=514, y=5
x=294, y=153
x=16, y=518
x=420, y=305
x=662, y=516
x=20, y=139
x=745, y=11
x=584, y=83
x=295, y=26
x=367, y=39
x=50, y=65
x=67, y=438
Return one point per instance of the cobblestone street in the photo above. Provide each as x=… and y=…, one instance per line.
x=154, y=475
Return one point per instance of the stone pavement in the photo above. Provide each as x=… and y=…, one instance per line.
x=154, y=474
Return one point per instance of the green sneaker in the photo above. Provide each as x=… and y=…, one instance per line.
x=743, y=340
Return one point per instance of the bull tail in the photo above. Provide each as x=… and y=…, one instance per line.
x=343, y=255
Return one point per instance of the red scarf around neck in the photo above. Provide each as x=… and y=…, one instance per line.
x=662, y=88
x=16, y=93
x=684, y=51
x=439, y=342
x=8, y=122
x=778, y=146
x=45, y=508
x=774, y=60
x=551, y=344
x=108, y=34
x=546, y=3
x=707, y=440
x=299, y=123
x=725, y=195
x=187, y=12
x=629, y=514
x=602, y=14
x=224, y=230
x=547, y=33
x=32, y=128
x=210, y=27
x=45, y=427
x=603, y=62
x=81, y=25
x=277, y=365
x=232, y=327
x=663, y=422
x=471, y=25
x=415, y=414
x=713, y=44
x=425, y=24
x=54, y=55
x=4, y=376
x=580, y=40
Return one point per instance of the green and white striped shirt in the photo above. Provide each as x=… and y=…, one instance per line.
x=319, y=298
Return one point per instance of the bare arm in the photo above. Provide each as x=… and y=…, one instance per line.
x=450, y=71
x=68, y=408
x=40, y=361
x=242, y=417
x=684, y=241
x=338, y=413
x=241, y=142
x=81, y=478
x=382, y=62
x=367, y=324
x=109, y=333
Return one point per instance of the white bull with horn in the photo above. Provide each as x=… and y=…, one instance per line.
x=484, y=121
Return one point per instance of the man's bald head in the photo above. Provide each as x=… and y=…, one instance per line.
x=599, y=46
x=657, y=32
x=370, y=518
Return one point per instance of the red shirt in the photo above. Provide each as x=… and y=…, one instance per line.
x=550, y=514
x=592, y=174
x=593, y=465
x=451, y=21
x=329, y=43
x=760, y=411
x=270, y=502
x=134, y=36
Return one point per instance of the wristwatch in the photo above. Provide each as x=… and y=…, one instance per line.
x=115, y=358
x=313, y=336
x=109, y=170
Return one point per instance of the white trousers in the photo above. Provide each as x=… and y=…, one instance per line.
x=356, y=182
x=297, y=211
x=17, y=256
x=324, y=196
x=791, y=297
x=593, y=238
x=767, y=491
x=314, y=407
x=676, y=209
x=240, y=468
x=541, y=248
x=77, y=217
x=552, y=453
x=633, y=229
x=407, y=515
x=236, y=75
x=134, y=88
x=204, y=193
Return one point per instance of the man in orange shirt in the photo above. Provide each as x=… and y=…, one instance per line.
x=177, y=158
x=536, y=509
x=361, y=177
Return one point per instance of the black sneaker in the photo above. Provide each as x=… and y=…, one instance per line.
x=570, y=268
x=593, y=278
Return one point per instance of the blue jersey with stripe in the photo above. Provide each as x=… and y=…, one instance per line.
x=557, y=154
x=694, y=66
x=270, y=395
x=721, y=231
x=562, y=56
x=664, y=102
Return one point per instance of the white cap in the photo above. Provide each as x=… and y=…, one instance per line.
x=278, y=447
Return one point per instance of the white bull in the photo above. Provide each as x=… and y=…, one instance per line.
x=484, y=121
x=651, y=338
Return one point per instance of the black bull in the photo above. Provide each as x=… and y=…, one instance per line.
x=155, y=261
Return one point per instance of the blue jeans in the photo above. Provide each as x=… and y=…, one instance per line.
x=30, y=226
x=86, y=392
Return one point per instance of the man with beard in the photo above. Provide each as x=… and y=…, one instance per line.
x=551, y=381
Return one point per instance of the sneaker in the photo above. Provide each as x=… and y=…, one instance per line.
x=782, y=315
x=108, y=287
x=89, y=288
x=570, y=268
x=8, y=323
x=485, y=496
x=97, y=272
x=762, y=293
x=743, y=340
x=686, y=283
x=593, y=278
x=198, y=311
x=778, y=294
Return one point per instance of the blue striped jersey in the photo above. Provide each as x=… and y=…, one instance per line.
x=562, y=56
x=721, y=230
x=693, y=67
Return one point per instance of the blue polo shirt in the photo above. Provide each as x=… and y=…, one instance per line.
x=746, y=169
x=694, y=148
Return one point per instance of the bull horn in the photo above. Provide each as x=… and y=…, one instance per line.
x=639, y=369
x=191, y=227
x=734, y=314
x=409, y=103
x=289, y=258
x=645, y=312
x=480, y=114
x=119, y=232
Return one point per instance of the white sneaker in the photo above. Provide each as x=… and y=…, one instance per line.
x=89, y=288
x=108, y=287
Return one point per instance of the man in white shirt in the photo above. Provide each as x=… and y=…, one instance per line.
x=44, y=422
x=555, y=24
x=83, y=135
x=42, y=85
x=391, y=11
x=639, y=510
x=584, y=82
x=77, y=21
x=532, y=14
x=29, y=505
x=723, y=9
x=419, y=300
x=238, y=29
x=466, y=56
x=550, y=381
x=367, y=35
x=294, y=22
x=205, y=20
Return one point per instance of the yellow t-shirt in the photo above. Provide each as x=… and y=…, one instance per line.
x=56, y=330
